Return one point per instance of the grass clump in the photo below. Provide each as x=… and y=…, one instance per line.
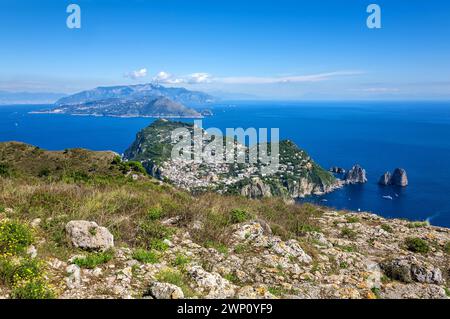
x=447, y=248
x=5, y=170
x=155, y=213
x=151, y=235
x=348, y=233
x=145, y=256
x=181, y=260
x=239, y=216
x=15, y=237
x=418, y=224
x=417, y=245
x=352, y=219
x=377, y=292
x=92, y=260
x=176, y=278
x=220, y=247
x=387, y=228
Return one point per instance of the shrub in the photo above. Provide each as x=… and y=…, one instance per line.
x=352, y=219
x=348, y=233
x=417, y=245
x=155, y=213
x=418, y=224
x=45, y=172
x=151, y=235
x=239, y=216
x=387, y=228
x=303, y=229
x=15, y=237
x=145, y=256
x=28, y=269
x=181, y=260
x=5, y=170
x=447, y=248
x=92, y=260
x=220, y=247
x=34, y=289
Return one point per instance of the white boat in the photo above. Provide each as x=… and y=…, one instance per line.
x=387, y=197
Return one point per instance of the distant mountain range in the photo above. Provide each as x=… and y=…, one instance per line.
x=136, y=92
x=12, y=98
x=144, y=100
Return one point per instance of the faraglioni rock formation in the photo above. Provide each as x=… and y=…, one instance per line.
x=385, y=179
x=356, y=175
x=398, y=178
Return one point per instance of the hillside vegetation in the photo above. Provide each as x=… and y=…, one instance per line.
x=210, y=245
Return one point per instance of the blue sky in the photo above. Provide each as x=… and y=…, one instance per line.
x=268, y=49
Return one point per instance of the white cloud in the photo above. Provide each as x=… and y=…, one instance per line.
x=199, y=78
x=194, y=78
x=202, y=78
x=142, y=73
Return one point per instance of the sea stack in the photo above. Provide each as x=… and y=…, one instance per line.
x=385, y=179
x=356, y=175
x=399, y=177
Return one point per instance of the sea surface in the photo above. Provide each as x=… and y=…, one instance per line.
x=379, y=136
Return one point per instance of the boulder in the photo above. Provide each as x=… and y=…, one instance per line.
x=88, y=235
x=399, y=177
x=163, y=290
x=210, y=283
x=356, y=175
x=385, y=179
x=73, y=279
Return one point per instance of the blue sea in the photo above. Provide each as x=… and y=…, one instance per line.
x=379, y=136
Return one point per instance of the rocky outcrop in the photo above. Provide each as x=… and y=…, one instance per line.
x=256, y=189
x=88, y=235
x=398, y=178
x=259, y=264
x=356, y=175
x=385, y=179
x=409, y=269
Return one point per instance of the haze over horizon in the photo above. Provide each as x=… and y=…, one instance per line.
x=283, y=50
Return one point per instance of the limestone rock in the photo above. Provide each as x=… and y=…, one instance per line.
x=88, y=235
x=356, y=175
x=163, y=290
x=409, y=269
x=210, y=283
x=73, y=279
x=399, y=177
x=385, y=179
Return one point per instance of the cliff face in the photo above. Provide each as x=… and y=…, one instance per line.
x=297, y=174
